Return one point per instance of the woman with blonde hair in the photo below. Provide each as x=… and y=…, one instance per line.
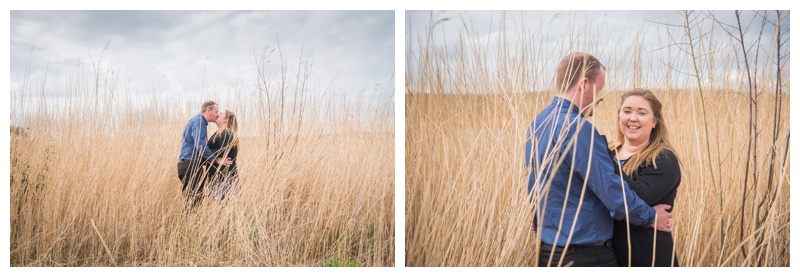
x=651, y=169
x=225, y=143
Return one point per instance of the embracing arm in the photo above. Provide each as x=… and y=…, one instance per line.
x=604, y=182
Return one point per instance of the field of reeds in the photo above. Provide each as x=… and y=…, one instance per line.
x=94, y=176
x=468, y=108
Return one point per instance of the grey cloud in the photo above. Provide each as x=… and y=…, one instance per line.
x=174, y=48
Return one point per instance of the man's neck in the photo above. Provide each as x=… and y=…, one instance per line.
x=568, y=97
x=574, y=100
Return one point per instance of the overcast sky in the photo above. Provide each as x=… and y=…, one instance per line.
x=611, y=33
x=557, y=24
x=170, y=50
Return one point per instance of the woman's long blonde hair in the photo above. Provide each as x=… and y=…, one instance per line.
x=233, y=127
x=659, y=139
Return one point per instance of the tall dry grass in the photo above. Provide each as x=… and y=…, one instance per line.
x=468, y=108
x=94, y=177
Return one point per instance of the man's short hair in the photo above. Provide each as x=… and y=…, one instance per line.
x=207, y=105
x=575, y=67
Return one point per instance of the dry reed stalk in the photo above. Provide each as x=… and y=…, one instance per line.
x=105, y=246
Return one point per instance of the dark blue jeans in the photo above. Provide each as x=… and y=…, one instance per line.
x=599, y=254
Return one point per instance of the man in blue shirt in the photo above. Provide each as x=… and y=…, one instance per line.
x=572, y=180
x=195, y=157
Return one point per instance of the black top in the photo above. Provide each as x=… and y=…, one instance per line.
x=654, y=186
x=221, y=143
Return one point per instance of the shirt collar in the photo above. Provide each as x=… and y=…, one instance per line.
x=566, y=104
x=203, y=118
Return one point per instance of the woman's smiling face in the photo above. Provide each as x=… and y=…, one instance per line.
x=636, y=120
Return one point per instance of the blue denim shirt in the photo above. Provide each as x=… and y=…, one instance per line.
x=193, y=143
x=561, y=132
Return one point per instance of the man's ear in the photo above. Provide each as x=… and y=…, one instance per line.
x=582, y=85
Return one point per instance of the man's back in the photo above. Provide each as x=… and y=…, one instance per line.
x=193, y=142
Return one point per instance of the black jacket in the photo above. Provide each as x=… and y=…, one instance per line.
x=655, y=184
x=221, y=143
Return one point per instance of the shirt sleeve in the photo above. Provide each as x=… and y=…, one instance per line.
x=652, y=184
x=200, y=133
x=602, y=180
